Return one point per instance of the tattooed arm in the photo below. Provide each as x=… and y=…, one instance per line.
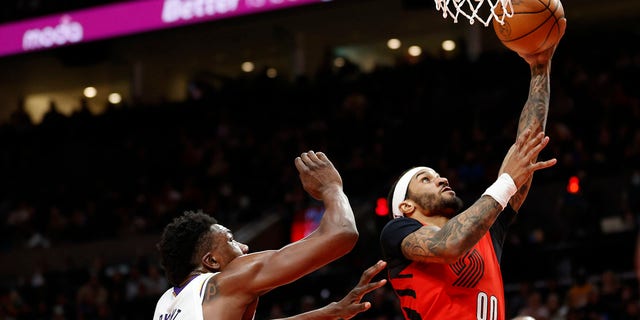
x=457, y=236
x=535, y=111
x=463, y=231
x=534, y=115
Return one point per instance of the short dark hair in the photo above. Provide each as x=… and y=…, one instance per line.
x=180, y=241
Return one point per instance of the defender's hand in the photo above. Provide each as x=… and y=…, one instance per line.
x=317, y=174
x=350, y=305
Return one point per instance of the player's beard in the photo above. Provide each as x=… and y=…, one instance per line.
x=440, y=206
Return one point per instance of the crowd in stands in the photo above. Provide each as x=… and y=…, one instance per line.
x=230, y=150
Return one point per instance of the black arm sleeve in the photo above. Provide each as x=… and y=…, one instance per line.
x=499, y=229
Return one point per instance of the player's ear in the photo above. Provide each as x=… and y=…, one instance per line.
x=407, y=207
x=209, y=261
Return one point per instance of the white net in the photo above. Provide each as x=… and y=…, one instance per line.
x=476, y=10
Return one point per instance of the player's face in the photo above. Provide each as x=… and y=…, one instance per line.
x=226, y=247
x=432, y=193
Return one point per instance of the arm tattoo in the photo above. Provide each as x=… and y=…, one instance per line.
x=520, y=195
x=534, y=116
x=210, y=291
x=460, y=233
x=534, y=113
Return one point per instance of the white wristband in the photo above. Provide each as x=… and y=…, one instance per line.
x=502, y=189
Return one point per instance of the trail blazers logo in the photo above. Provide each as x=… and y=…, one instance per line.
x=469, y=269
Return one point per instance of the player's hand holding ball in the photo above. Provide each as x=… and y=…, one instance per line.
x=534, y=30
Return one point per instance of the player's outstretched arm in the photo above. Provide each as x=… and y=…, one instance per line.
x=460, y=233
x=351, y=304
x=534, y=113
x=335, y=236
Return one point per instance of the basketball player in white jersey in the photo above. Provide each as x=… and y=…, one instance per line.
x=214, y=277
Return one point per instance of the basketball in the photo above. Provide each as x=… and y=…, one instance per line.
x=534, y=26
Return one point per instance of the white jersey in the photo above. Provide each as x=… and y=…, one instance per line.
x=187, y=304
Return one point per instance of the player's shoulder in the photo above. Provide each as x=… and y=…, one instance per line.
x=399, y=222
x=393, y=233
x=400, y=226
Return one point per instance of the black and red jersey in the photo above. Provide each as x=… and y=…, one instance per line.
x=470, y=288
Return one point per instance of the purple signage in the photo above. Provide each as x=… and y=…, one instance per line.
x=123, y=19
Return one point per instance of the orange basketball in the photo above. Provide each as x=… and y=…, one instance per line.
x=534, y=26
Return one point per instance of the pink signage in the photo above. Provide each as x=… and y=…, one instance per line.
x=124, y=18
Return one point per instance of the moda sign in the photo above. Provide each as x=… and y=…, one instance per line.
x=124, y=18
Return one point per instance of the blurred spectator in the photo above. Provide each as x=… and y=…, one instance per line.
x=557, y=309
x=91, y=299
x=610, y=294
x=580, y=292
x=535, y=307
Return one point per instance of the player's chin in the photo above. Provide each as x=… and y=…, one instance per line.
x=454, y=203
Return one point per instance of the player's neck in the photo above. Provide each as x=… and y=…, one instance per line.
x=190, y=277
x=437, y=221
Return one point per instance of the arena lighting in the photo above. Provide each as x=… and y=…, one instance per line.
x=573, y=186
x=106, y=21
x=90, y=92
x=394, y=44
x=115, y=98
x=272, y=73
x=382, y=207
x=448, y=45
x=247, y=66
x=414, y=51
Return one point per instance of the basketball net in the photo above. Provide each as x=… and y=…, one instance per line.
x=480, y=10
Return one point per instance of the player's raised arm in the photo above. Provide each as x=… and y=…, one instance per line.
x=335, y=236
x=448, y=243
x=536, y=109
